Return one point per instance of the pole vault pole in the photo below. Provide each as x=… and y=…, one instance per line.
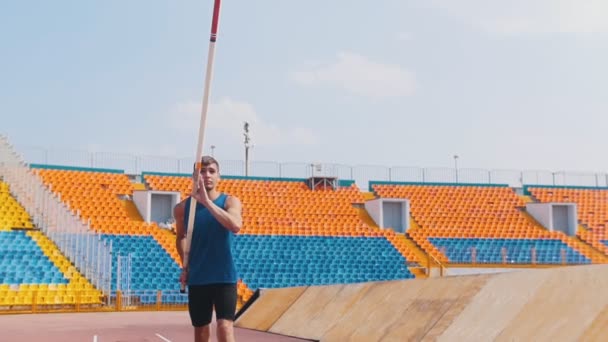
x=201, y=134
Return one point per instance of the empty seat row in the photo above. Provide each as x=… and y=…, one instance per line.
x=592, y=209
x=510, y=251
x=267, y=261
x=449, y=211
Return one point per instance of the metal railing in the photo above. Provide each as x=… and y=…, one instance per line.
x=45, y=301
x=512, y=255
x=84, y=248
x=361, y=174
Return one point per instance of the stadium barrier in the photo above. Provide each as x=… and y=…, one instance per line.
x=361, y=174
x=82, y=301
x=83, y=247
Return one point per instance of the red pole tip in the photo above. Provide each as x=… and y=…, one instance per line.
x=215, y=21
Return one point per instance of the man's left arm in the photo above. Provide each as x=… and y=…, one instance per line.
x=232, y=217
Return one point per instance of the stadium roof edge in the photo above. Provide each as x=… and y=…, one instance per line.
x=526, y=187
x=343, y=182
x=372, y=183
x=74, y=168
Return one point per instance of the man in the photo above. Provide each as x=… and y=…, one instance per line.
x=211, y=275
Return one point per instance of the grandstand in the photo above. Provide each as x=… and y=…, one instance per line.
x=482, y=224
x=73, y=239
x=591, y=206
x=32, y=269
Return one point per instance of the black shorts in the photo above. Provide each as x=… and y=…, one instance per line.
x=203, y=298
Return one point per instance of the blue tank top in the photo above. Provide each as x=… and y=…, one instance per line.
x=210, y=259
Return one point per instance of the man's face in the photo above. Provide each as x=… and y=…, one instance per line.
x=211, y=176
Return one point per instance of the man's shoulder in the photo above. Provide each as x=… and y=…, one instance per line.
x=231, y=200
x=181, y=206
x=230, y=197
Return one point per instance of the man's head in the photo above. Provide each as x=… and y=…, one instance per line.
x=210, y=171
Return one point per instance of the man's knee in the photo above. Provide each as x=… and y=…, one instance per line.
x=202, y=333
x=224, y=324
x=225, y=330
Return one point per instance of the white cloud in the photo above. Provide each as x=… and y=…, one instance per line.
x=225, y=122
x=360, y=76
x=514, y=17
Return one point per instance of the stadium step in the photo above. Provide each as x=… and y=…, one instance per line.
x=585, y=249
x=419, y=272
x=527, y=199
x=132, y=211
x=596, y=256
x=166, y=239
x=425, y=258
x=364, y=215
x=368, y=196
x=139, y=186
x=421, y=257
x=76, y=280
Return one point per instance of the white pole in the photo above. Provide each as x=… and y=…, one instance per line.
x=201, y=133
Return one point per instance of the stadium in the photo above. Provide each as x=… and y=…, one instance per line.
x=100, y=103
x=404, y=258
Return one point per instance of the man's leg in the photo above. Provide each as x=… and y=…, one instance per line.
x=201, y=334
x=225, y=308
x=200, y=307
x=225, y=331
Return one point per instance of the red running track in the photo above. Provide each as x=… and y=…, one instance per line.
x=171, y=326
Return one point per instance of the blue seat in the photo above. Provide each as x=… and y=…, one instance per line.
x=152, y=268
x=22, y=261
x=518, y=251
x=300, y=260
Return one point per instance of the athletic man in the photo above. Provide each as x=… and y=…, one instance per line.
x=211, y=276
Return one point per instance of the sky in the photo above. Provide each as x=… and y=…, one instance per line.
x=519, y=84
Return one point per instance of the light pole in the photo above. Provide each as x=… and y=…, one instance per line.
x=247, y=145
x=212, y=149
x=456, y=166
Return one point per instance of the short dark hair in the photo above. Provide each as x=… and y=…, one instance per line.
x=208, y=160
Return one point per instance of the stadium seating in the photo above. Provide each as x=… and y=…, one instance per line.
x=266, y=262
x=151, y=269
x=274, y=261
x=277, y=207
x=78, y=287
x=284, y=207
x=295, y=236
x=455, y=219
x=95, y=196
x=12, y=215
x=291, y=234
x=592, y=210
x=508, y=251
x=22, y=261
x=32, y=270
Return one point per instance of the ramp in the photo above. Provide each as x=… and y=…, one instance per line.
x=557, y=304
x=265, y=307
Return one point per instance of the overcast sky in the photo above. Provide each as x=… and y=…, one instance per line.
x=518, y=84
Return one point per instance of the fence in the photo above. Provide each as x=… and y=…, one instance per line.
x=361, y=174
x=84, y=248
x=513, y=255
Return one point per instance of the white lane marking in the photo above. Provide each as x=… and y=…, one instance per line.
x=163, y=338
x=94, y=338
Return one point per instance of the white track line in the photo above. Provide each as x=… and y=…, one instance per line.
x=94, y=338
x=163, y=338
